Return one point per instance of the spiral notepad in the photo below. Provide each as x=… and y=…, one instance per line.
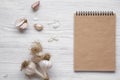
x=94, y=41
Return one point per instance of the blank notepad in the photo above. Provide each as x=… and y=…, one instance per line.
x=94, y=41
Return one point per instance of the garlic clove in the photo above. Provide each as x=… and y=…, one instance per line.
x=28, y=68
x=20, y=21
x=38, y=27
x=35, y=5
x=23, y=27
x=21, y=24
x=45, y=65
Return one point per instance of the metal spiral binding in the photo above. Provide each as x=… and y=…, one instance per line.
x=94, y=13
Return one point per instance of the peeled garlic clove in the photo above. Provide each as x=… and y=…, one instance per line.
x=35, y=5
x=38, y=27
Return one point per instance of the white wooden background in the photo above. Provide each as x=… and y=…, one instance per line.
x=14, y=46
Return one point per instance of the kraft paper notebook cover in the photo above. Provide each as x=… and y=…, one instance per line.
x=94, y=41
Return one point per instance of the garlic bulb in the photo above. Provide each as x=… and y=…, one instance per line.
x=45, y=65
x=29, y=68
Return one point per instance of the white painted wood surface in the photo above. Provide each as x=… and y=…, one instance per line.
x=14, y=46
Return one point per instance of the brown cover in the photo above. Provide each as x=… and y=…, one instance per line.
x=94, y=41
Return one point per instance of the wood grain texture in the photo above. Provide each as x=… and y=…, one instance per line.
x=14, y=46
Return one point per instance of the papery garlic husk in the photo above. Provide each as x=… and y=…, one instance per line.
x=36, y=48
x=29, y=68
x=21, y=24
x=35, y=5
x=45, y=65
x=38, y=27
x=47, y=56
x=37, y=58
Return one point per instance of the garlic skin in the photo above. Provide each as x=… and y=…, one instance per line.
x=30, y=69
x=46, y=56
x=45, y=65
x=37, y=58
x=40, y=57
x=36, y=47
